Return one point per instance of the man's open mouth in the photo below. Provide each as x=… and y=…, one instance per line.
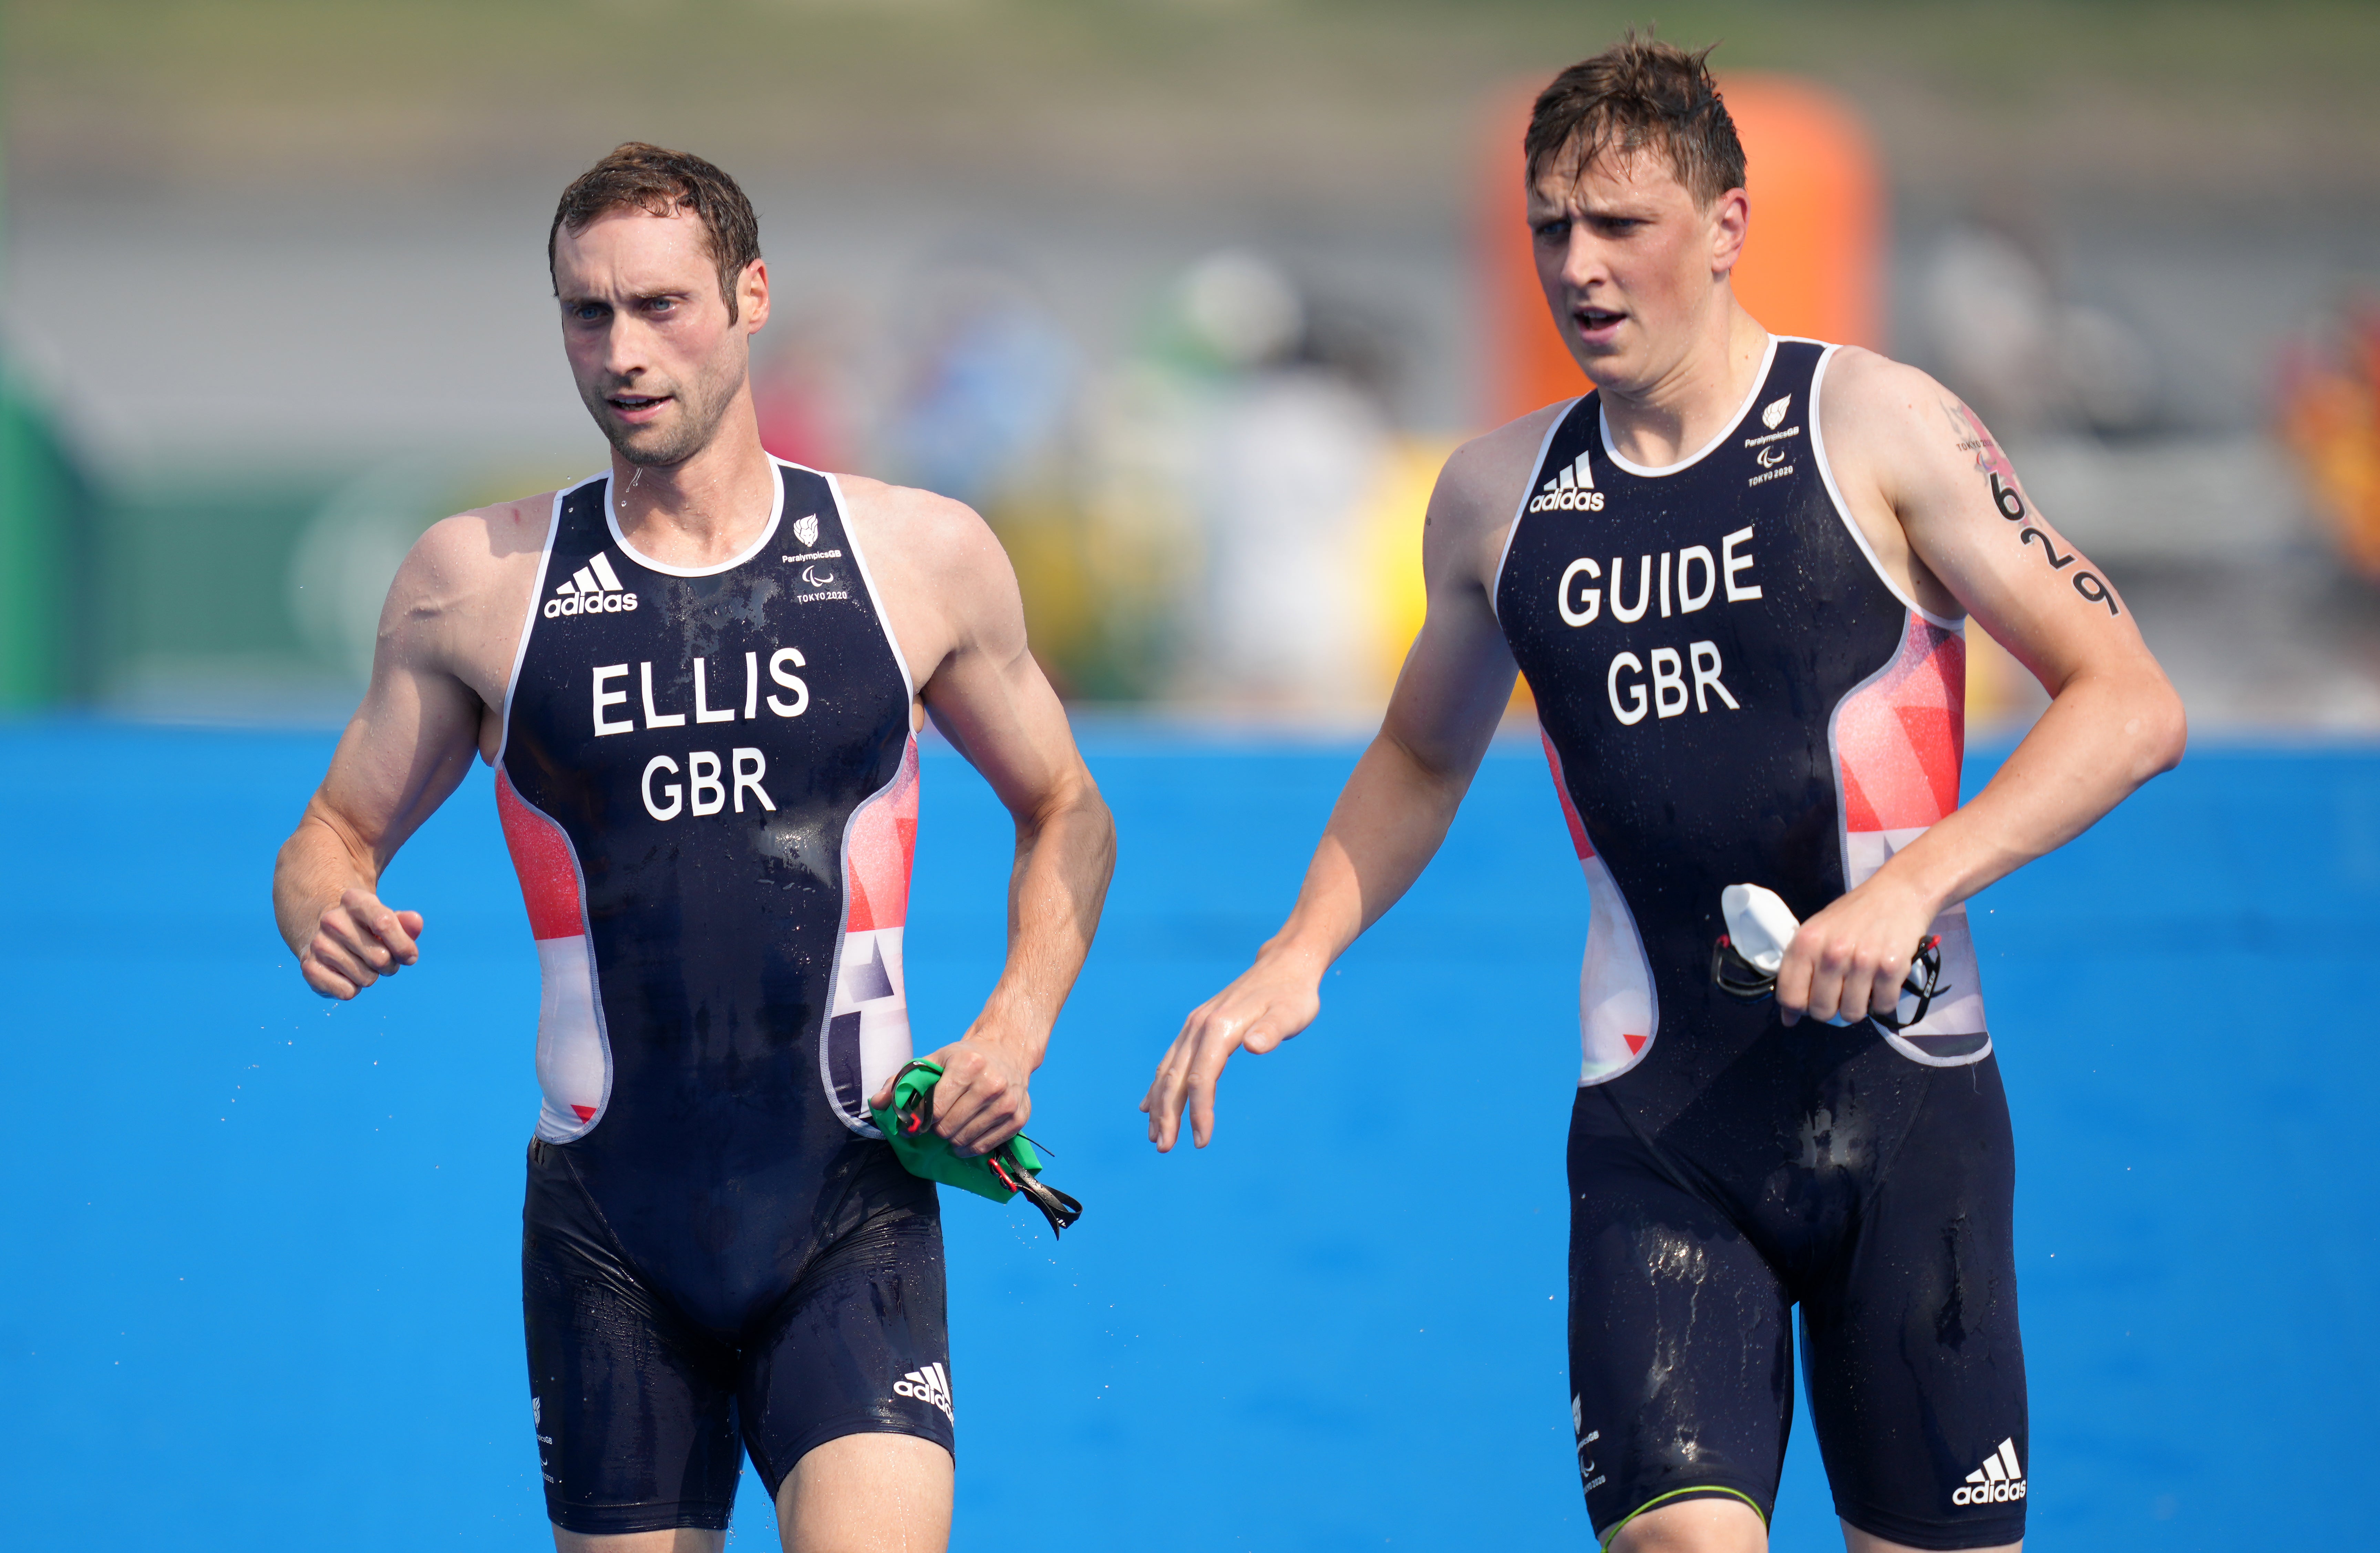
x=1593, y=318
x=631, y=403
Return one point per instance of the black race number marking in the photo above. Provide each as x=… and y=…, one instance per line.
x=2004, y=497
x=2098, y=592
x=2011, y=507
x=2085, y=583
x=2057, y=562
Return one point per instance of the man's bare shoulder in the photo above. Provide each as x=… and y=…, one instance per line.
x=942, y=576
x=458, y=603
x=1873, y=403
x=938, y=541
x=1479, y=492
x=1893, y=428
x=512, y=527
x=1484, y=479
x=460, y=559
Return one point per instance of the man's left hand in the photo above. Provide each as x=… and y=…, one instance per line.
x=980, y=1101
x=1851, y=958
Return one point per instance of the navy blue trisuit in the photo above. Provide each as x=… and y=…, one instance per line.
x=708, y=785
x=1731, y=691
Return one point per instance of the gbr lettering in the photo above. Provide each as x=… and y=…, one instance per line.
x=703, y=792
x=1664, y=682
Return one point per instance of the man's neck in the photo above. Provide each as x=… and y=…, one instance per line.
x=705, y=509
x=1694, y=399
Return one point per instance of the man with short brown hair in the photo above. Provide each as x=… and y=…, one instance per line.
x=699, y=677
x=1736, y=576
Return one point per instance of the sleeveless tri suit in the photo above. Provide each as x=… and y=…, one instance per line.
x=1731, y=691
x=708, y=784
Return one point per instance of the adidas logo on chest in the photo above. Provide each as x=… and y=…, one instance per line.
x=594, y=589
x=1572, y=491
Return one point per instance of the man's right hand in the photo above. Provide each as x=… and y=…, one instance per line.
x=1272, y=1001
x=1398, y=803
x=357, y=941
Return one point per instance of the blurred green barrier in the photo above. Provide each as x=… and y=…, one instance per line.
x=208, y=593
x=45, y=508
x=191, y=606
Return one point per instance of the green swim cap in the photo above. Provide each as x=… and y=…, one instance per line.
x=908, y=1125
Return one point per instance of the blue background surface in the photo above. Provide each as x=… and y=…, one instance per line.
x=262, y=1250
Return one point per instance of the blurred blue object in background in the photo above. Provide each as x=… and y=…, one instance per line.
x=989, y=388
x=262, y=1288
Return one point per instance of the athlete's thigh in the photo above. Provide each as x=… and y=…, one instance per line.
x=1916, y=1370
x=683, y=1539
x=861, y=1346
x=1680, y=1337
x=635, y=1410
x=873, y=1493
x=1857, y=1541
x=1692, y=1525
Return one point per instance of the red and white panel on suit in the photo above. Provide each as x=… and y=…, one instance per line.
x=1897, y=741
x=879, y=846
x=1618, y=1012
x=574, y=1059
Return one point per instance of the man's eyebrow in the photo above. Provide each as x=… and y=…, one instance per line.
x=1588, y=209
x=1620, y=211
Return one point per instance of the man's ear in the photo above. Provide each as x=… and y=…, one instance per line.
x=752, y=295
x=1730, y=217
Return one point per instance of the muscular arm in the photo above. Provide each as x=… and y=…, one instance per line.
x=1394, y=811
x=1922, y=460
x=989, y=698
x=408, y=747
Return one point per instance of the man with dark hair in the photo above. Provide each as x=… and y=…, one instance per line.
x=699, y=677
x=638, y=176
x=1736, y=576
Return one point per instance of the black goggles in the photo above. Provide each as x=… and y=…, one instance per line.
x=1745, y=982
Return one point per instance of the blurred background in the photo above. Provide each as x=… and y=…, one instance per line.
x=1189, y=298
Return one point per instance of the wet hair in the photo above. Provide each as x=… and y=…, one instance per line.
x=643, y=177
x=1639, y=94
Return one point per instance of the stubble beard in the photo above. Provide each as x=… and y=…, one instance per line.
x=700, y=408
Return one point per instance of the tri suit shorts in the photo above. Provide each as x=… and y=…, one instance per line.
x=644, y=1408
x=1821, y=1168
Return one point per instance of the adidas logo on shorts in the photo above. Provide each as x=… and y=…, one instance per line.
x=1998, y=1481
x=931, y=1384
x=594, y=589
x=1572, y=491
